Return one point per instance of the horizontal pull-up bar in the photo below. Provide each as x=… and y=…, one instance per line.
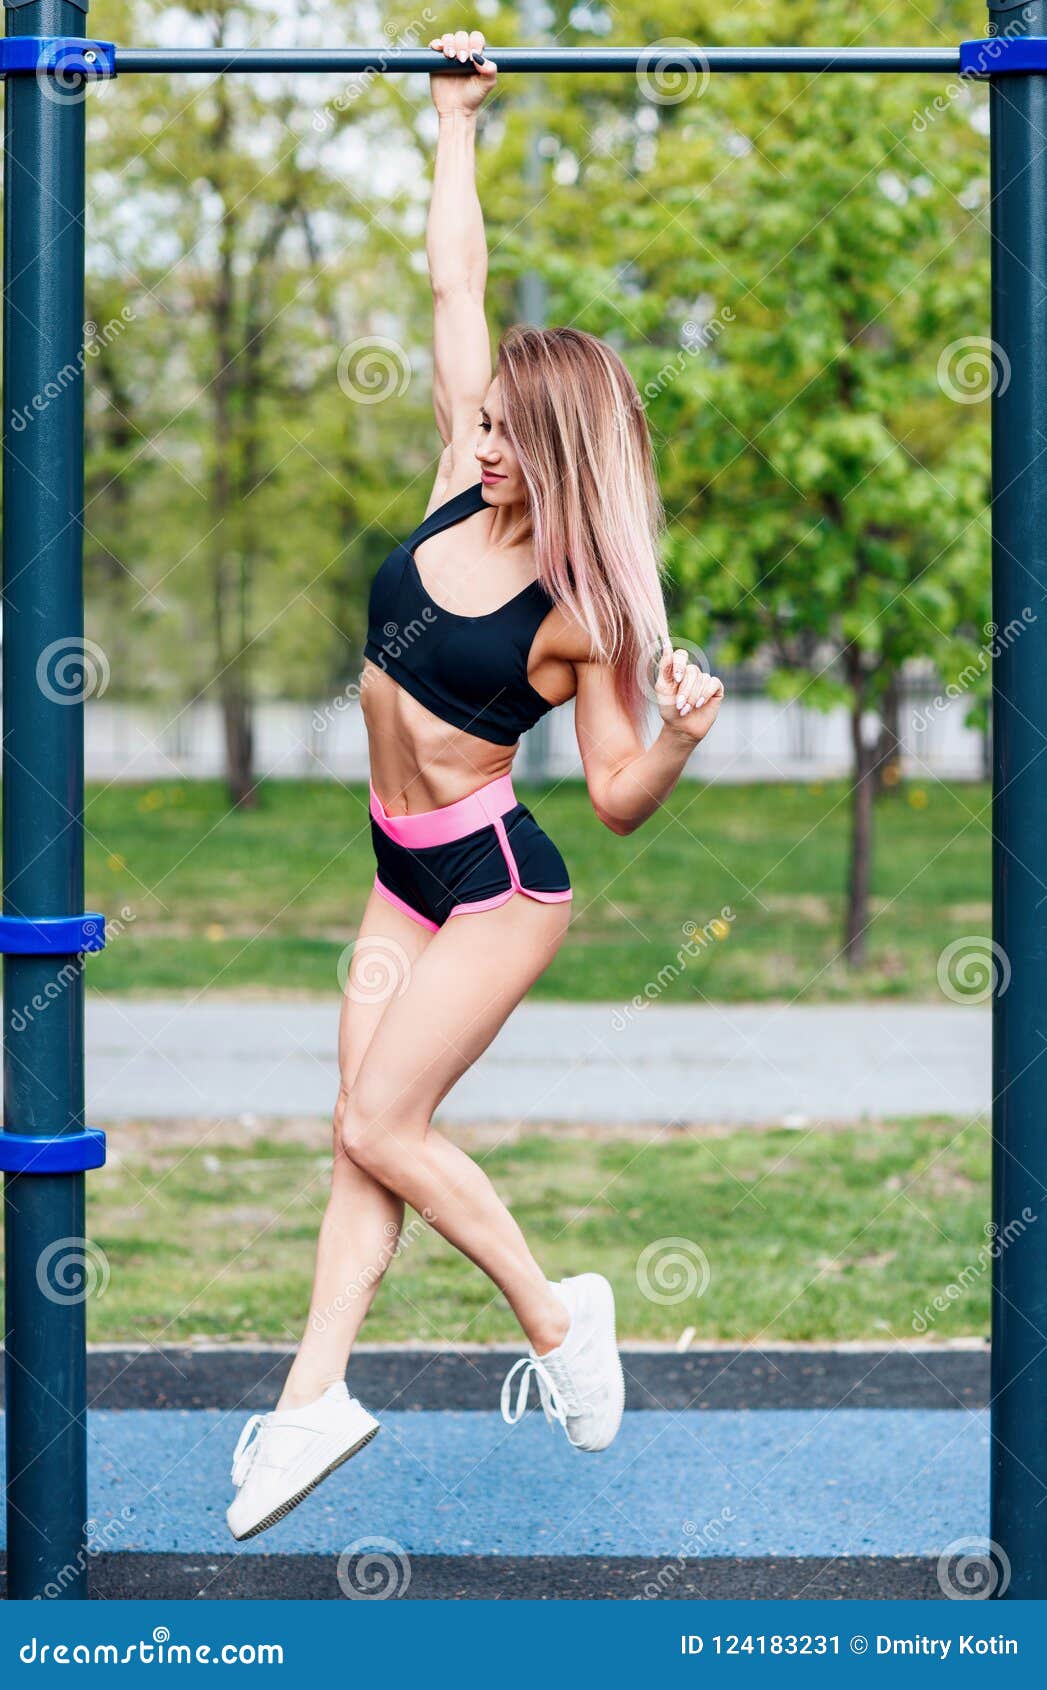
x=73, y=56
x=386, y=60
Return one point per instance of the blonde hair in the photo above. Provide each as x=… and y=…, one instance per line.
x=578, y=427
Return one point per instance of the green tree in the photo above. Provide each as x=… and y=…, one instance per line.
x=238, y=469
x=795, y=267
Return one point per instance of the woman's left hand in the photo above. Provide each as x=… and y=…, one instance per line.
x=462, y=93
x=688, y=700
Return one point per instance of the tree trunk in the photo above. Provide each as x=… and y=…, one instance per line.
x=987, y=746
x=239, y=747
x=229, y=582
x=863, y=792
x=889, y=747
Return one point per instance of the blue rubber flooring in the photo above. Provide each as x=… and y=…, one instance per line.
x=891, y=1482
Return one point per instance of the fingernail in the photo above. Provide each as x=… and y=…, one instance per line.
x=686, y=710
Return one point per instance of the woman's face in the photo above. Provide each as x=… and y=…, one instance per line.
x=500, y=471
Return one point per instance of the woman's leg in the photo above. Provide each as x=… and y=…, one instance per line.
x=361, y=1224
x=463, y=987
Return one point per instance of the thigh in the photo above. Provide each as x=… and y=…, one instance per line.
x=377, y=972
x=463, y=987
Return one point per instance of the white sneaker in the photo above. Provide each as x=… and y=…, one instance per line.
x=280, y=1457
x=580, y=1384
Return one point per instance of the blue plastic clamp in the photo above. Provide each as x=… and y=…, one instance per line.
x=68, y=1153
x=57, y=55
x=1003, y=55
x=51, y=935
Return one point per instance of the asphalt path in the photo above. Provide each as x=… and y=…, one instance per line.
x=609, y=1063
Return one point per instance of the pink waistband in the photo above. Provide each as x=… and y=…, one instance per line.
x=453, y=821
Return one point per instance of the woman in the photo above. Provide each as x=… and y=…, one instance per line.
x=536, y=584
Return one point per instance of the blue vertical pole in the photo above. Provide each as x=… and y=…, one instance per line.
x=1018, y=118
x=43, y=443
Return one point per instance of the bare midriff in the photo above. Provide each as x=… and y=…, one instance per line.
x=418, y=762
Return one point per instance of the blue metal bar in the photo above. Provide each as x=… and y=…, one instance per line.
x=999, y=55
x=66, y=935
x=62, y=55
x=66, y=1153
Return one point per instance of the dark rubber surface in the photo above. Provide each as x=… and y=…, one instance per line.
x=440, y=1578
x=248, y=1380
x=407, y=1379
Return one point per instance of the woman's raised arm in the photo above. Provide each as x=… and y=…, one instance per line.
x=457, y=250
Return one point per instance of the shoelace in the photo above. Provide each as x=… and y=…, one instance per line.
x=529, y=1367
x=245, y=1452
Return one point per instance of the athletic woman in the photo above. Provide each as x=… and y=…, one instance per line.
x=532, y=579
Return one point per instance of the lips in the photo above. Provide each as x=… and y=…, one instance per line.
x=490, y=480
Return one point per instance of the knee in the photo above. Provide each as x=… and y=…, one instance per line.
x=365, y=1135
x=347, y=1126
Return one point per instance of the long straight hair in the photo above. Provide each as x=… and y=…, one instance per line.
x=578, y=426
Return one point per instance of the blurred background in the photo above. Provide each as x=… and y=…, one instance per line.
x=795, y=269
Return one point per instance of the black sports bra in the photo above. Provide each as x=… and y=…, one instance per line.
x=470, y=671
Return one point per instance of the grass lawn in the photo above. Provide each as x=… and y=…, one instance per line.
x=267, y=900
x=839, y=1233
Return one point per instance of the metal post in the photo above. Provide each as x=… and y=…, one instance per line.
x=43, y=443
x=533, y=308
x=1018, y=117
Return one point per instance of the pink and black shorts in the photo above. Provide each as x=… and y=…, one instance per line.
x=466, y=857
